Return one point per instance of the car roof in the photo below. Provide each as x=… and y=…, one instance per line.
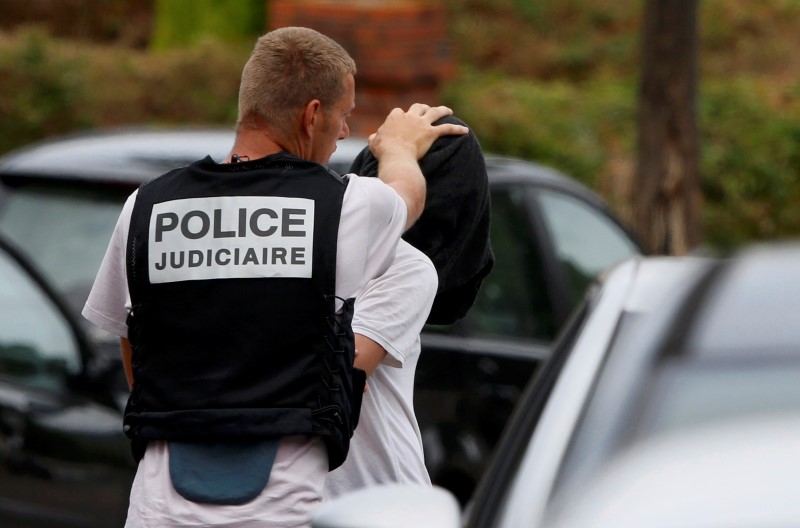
x=751, y=305
x=129, y=155
x=741, y=473
x=132, y=155
x=732, y=307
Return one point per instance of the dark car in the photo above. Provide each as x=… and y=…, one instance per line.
x=671, y=399
x=63, y=458
x=59, y=201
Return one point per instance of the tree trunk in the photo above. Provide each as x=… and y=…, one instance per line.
x=667, y=197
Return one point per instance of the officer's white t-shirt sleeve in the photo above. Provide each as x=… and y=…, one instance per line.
x=387, y=219
x=393, y=307
x=109, y=301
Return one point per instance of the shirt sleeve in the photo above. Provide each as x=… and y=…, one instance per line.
x=109, y=301
x=394, y=306
x=387, y=218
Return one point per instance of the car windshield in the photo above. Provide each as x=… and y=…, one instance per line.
x=36, y=344
x=64, y=230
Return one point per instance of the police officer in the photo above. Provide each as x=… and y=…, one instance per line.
x=231, y=288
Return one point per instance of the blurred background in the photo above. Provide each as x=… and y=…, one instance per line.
x=682, y=115
x=561, y=82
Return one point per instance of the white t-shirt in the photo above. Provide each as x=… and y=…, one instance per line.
x=372, y=220
x=387, y=446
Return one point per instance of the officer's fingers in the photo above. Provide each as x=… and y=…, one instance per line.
x=419, y=109
x=450, y=129
x=435, y=113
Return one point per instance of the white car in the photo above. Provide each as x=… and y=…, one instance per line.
x=672, y=398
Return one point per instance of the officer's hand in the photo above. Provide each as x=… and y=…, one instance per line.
x=411, y=133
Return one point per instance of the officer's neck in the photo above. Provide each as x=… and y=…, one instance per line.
x=254, y=140
x=252, y=144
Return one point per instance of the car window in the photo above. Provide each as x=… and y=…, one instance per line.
x=513, y=301
x=64, y=231
x=37, y=346
x=586, y=240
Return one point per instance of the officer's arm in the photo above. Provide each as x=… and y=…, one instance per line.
x=127, y=353
x=369, y=354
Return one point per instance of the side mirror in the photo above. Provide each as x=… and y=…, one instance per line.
x=390, y=506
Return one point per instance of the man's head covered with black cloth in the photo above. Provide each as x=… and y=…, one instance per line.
x=453, y=230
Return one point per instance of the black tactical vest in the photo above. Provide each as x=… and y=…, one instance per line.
x=231, y=270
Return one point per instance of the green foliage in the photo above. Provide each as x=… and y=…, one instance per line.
x=750, y=150
x=48, y=87
x=562, y=90
x=569, y=127
x=203, y=83
x=39, y=94
x=759, y=38
x=181, y=23
x=570, y=40
x=553, y=81
x=750, y=164
x=584, y=16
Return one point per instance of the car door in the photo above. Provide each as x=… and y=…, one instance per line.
x=540, y=429
x=470, y=374
x=549, y=244
x=63, y=458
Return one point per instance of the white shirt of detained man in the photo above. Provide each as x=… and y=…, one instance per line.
x=372, y=220
x=387, y=446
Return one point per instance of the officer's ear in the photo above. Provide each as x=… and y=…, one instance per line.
x=311, y=116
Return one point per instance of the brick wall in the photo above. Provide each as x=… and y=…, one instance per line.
x=400, y=47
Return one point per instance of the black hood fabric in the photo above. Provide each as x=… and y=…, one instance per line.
x=453, y=230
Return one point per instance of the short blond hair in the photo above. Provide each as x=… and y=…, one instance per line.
x=288, y=68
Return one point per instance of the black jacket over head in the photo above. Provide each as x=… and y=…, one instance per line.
x=453, y=230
